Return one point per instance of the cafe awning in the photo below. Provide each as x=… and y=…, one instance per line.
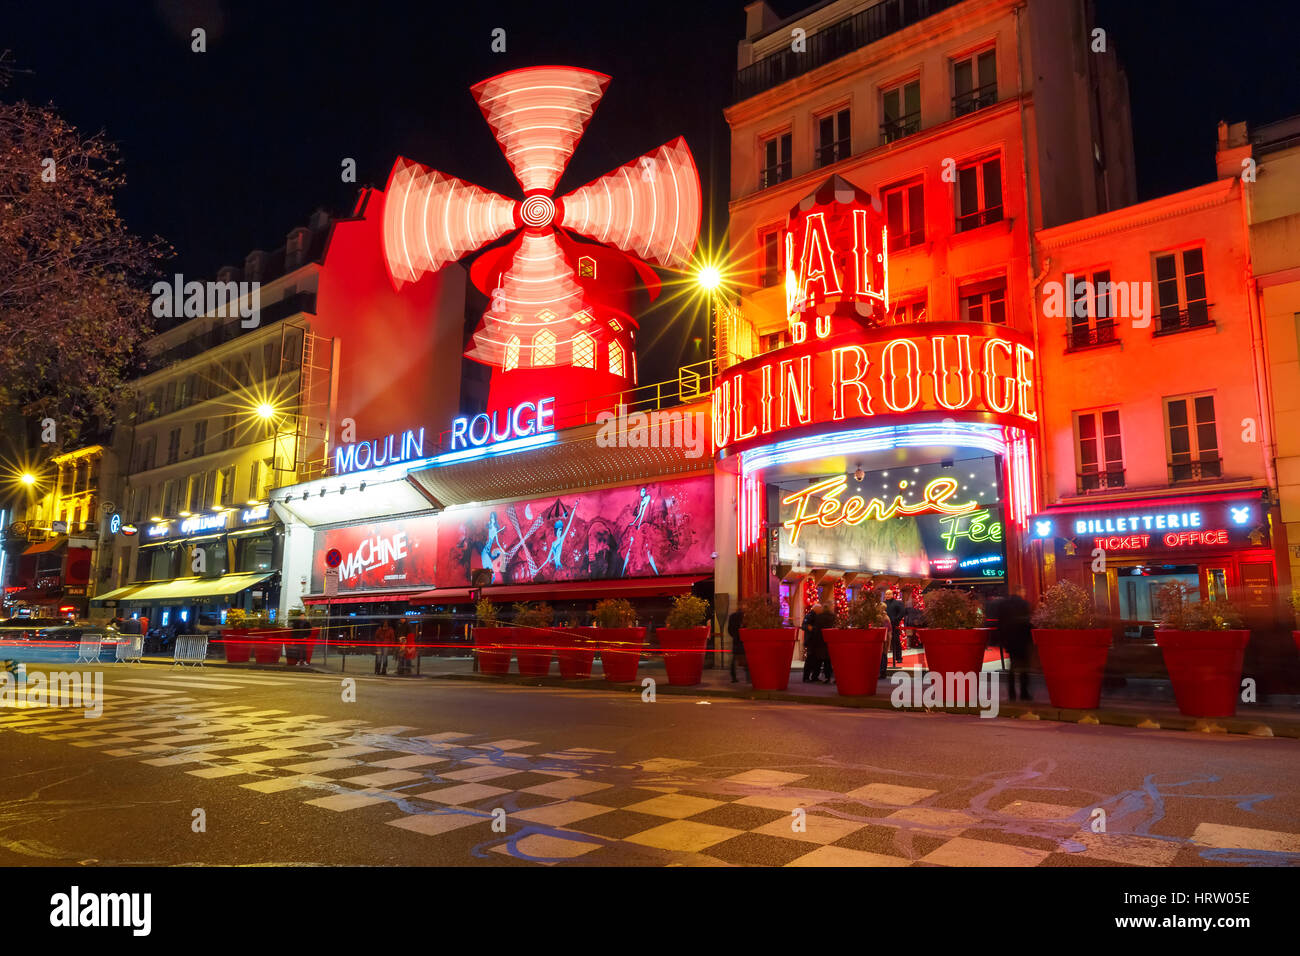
x=186, y=589
x=116, y=594
x=44, y=547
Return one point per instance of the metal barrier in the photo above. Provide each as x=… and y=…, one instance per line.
x=190, y=649
x=89, y=647
x=130, y=648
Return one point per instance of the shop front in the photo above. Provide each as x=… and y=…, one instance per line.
x=1219, y=545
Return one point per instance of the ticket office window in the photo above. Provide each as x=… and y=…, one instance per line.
x=1216, y=584
x=1139, y=588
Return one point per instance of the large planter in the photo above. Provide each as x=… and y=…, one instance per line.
x=770, y=652
x=537, y=647
x=1074, y=661
x=237, y=650
x=683, y=649
x=492, y=657
x=576, y=652
x=1205, y=669
x=620, y=651
x=855, y=658
x=954, y=650
x=268, y=645
x=299, y=645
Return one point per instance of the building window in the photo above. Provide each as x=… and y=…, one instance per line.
x=906, y=311
x=227, y=493
x=254, y=553
x=227, y=434
x=979, y=193
x=769, y=257
x=1180, y=292
x=974, y=82
x=194, y=493
x=200, y=438
x=1099, y=450
x=905, y=214
x=254, y=481
x=901, y=109
x=1193, y=439
x=545, y=316
x=586, y=267
x=512, y=354
x=169, y=498
x=834, y=139
x=584, y=351
x=1090, y=306
x=173, y=445
x=583, y=318
x=984, y=301
x=614, y=325
x=616, y=366
x=544, y=348
x=776, y=160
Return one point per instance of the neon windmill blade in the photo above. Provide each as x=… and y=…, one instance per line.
x=649, y=208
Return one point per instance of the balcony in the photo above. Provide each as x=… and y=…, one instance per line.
x=896, y=129
x=831, y=43
x=832, y=153
x=774, y=174
x=1195, y=316
x=966, y=103
x=1089, y=481
x=980, y=217
x=1088, y=337
x=1203, y=469
x=221, y=334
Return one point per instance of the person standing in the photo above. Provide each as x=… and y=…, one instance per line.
x=1013, y=631
x=408, y=648
x=815, y=657
x=895, y=611
x=384, y=638
x=735, y=621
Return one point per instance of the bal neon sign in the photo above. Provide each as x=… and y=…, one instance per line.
x=954, y=370
x=526, y=418
x=935, y=499
x=857, y=254
x=378, y=452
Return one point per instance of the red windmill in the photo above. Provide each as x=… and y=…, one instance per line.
x=558, y=301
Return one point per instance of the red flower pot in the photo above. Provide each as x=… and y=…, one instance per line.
x=620, y=651
x=237, y=651
x=684, y=653
x=855, y=657
x=492, y=657
x=1074, y=661
x=1295, y=636
x=535, y=657
x=770, y=651
x=1205, y=668
x=268, y=645
x=954, y=650
x=576, y=652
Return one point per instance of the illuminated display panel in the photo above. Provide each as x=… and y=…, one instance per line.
x=1167, y=524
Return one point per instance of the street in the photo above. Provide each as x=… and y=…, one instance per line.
x=219, y=766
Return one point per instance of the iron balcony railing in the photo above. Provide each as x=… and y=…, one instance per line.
x=976, y=99
x=1199, y=470
x=1089, y=337
x=832, y=42
x=896, y=129
x=1195, y=316
x=833, y=153
x=980, y=217
x=775, y=174
x=1100, y=480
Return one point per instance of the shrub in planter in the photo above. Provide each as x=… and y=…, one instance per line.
x=952, y=635
x=769, y=647
x=268, y=643
x=489, y=637
x=856, y=643
x=1071, y=645
x=1204, y=646
x=683, y=638
x=237, y=650
x=533, y=626
x=619, y=638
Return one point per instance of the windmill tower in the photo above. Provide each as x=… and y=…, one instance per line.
x=560, y=319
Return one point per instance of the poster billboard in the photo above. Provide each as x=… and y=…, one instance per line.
x=379, y=555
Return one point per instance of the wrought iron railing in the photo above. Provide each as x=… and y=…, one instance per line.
x=980, y=217
x=833, y=153
x=896, y=129
x=1195, y=316
x=1199, y=470
x=1101, y=480
x=976, y=99
x=774, y=174
x=1088, y=337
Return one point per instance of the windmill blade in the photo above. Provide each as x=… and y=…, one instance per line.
x=538, y=290
x=431, y=219
x=650, y=207
x=538, y=115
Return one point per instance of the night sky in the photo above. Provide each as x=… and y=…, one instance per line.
x=227, y=150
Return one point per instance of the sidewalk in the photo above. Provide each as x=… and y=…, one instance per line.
x=1145, y=703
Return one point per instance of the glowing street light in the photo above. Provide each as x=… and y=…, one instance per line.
x=27, y=478
x=709, y=277
x=265, y=411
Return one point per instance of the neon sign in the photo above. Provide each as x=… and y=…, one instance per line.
x=975, y=527
x=830, y=513
x=195, y=523
x=375, y=453
x=526, y=418
x=1215, y=520
x=954, y=370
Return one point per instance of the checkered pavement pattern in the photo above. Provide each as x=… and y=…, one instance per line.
x=585, y=806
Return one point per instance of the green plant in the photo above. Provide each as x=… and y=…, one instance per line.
x=865, y=610
x=539, y=615
x=485, y=613
x=950, y=609
x=1177, y=613
x=614, y=612
x=759, y=611
x=688, y=611
x=236, y=617
x=1066, y=606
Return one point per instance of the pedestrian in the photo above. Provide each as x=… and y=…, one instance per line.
x=406, y=637
x=815, y=657
x=735, y=621
x=1013, y=632
x=384, y=638
x=896, y=611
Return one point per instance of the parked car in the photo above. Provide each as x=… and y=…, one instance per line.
x=73, y=633
x=26, y=628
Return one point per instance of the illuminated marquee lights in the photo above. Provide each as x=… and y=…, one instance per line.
x=375, y=453
x=830, y=513
x=501, y=426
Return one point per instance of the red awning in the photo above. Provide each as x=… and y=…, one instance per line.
x=359, y=597
x=49, y=544
x=566, y=590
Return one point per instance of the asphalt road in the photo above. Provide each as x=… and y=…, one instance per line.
x=278, y=768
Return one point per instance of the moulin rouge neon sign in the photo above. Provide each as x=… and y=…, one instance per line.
x=831, y=512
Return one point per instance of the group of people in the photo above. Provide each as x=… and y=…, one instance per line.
x=404, y=640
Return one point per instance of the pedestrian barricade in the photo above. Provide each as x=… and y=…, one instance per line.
x=88, y=648
x=130, y=648
x=191, y=649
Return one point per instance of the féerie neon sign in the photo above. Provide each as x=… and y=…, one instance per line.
x=935, y=499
